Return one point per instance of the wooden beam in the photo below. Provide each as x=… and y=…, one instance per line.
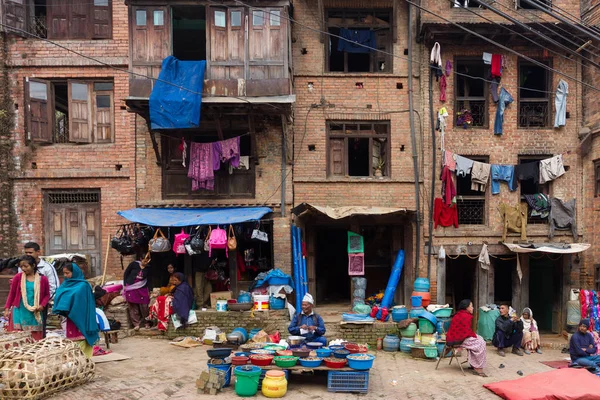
x=153, y=138
x=321, y=18
x=395, y=9
x=441, y=280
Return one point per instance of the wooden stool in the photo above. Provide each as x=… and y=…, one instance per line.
x=111, y=337
x=452, y=350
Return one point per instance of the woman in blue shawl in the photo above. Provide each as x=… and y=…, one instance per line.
x=183, y=298
x=75, y=301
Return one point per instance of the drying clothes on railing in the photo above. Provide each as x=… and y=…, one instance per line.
x=560, y=102
x=444, y=215
x=354, y=37
x=562, y=216
x=551, y=168
x=523, y=172
x=504, y=99
x=502, y=173
x=435, y=61
x=448, y=188
x=496, y=65
x=464, y=165
x=539, y=204
x=449, y=161
x=226, y=150
x=480, y=175
x=514, y=219
x=201, y=166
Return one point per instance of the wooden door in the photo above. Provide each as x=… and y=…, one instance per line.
x=14, y=15
x=74, y=228
x=267, y=44
x=227, y=38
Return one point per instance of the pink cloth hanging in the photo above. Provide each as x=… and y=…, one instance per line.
x=227, y=150
x=201, y=166
x=443, y=85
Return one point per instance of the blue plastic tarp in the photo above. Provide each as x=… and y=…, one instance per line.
x=194, y=216
x=176, y=98
x=274, y=277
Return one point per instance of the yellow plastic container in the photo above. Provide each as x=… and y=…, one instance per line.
x=274, y=385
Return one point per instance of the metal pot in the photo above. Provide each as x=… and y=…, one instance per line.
x=234, y=337
x=296, y=340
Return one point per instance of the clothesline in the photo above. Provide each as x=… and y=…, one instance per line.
x=452, y=153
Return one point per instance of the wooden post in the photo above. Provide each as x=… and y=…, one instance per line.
x=105, y=260
x=441, y=280
x=233, y=281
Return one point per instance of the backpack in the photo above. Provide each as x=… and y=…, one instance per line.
x=179, y=242
x=218, y=240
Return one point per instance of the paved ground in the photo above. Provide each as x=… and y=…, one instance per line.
x=158, y=370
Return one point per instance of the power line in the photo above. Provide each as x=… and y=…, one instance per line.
x=573, y=17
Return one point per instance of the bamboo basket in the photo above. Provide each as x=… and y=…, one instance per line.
x=38, y=370
x=14, y=339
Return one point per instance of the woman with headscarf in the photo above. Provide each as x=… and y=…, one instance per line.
x=74, y=300
x=136, y=292
x=29, y=295
x=183, y=298
x=531, y=333
x=461, y=334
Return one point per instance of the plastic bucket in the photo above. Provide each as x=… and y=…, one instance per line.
x=391, y=343
x=416, y=301
x=243, y=332
x=261, y=302
x=221, y=305
x=244, y=298
x=276, y=303
x=399, y=313
x=421, y=285
x=425, y=297
x=246, y=380
x=223, y=367
x=405, y=344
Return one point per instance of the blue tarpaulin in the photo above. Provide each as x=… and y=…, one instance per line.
x=176, y=98
x=194, y=216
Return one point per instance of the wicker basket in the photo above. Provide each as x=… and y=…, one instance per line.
x=38, y=370
x=14, y=339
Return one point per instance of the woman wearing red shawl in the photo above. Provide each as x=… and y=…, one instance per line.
x=461, y=333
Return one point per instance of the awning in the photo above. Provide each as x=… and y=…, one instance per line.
x=557, y=248
x=344, y=212
x=194, y=216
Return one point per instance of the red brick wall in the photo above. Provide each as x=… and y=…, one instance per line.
x=71, y=166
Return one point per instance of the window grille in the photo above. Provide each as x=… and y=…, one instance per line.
x=72, y=197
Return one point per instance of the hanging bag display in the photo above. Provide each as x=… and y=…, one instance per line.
x=231, y=241
x=207, y=240
x=218, y=240
x=159, y=243
x=259, y=235
x=179, y=242
x=122, y=242
x=196, y=241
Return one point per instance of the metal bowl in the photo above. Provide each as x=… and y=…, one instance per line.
x=296, y=340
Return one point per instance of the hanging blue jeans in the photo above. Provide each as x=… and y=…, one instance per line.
x=560, y=102
x=502, y=173
x=503, y=100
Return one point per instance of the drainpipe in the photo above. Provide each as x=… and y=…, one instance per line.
x=283, y=157
x=433, y=161
x=413, y=138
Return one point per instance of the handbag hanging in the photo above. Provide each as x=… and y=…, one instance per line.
x=179, y=242
x=159, y=243
x=196, y=242
x=259, y=235
x=207, y=240
x=122, y=242
x=231, y=241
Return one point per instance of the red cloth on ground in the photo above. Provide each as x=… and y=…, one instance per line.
x=558, y=384
x=444, y=215
x=460, y=328
x=449, y=191
x=496, y=65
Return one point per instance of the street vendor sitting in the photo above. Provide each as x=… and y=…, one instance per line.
x=509, y=332
x=308, y=324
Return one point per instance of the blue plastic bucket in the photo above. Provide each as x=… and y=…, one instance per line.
x=276, y=303
x=421, y=285
x=244, y=298
x=416, y=301
x=415, y=312
x=399, y=313
x=223, y=367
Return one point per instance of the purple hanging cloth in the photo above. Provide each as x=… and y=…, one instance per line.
x=226, y=150
x=201, y=166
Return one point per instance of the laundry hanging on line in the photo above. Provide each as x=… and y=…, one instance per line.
x=205, y=158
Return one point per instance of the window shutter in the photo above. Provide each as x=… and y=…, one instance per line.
x=80, y=20
x=14, y=15
x=58, y=19
x=103, y=116
x=101, y=19
x=80, y=109
x=336, y=157
x=39, y=110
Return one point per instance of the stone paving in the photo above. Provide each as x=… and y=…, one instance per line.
x=158, y=370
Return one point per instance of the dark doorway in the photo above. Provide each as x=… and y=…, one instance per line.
x=460, y=280
x=189, y=32
x=331, y=269
x=545, y=292
x=503, y=280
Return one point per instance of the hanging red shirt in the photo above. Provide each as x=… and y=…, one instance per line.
x=444, y=215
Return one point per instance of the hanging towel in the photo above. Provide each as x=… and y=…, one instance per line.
x=201, y=166
x=484, y=258
x=354, y=37
x=560, y=102
x=487, y=58
x=443, y=85
x=496, y=65
x=444, y=215
x=435, y=61
x=551, y=168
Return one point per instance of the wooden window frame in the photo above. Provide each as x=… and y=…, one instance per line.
x=544, y=188
x=486, y=92
x=91, y=21
x=548, y=99
x=479, y=197
x=48, y=136
x=388, y=60
x=597, y=178
x=335, y=136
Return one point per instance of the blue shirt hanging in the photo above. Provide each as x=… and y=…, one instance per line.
x=354, y=37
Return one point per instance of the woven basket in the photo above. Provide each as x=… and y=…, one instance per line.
x=35, y=371
x=14, y=339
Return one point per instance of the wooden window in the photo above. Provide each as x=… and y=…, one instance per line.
x=236, y=18
x=258, y=18
x=69, y=111
x=472, y=94
x=140, y=17
x=13, y=14
x=371, y=25
x=77, y=20
x=275, y=16
x=535, y=108
x=529, y=187
x=176, y=184
x=471, y=203
x=159, y=17
x=358, y=148
x=596, y=178
x=220, y=19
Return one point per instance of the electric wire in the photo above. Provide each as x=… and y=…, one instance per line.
x=569, y=16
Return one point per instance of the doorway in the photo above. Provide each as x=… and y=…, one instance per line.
x=503, y=281
x=460, y=280
x=545, y=292
x=331, y=269
x=189, y=32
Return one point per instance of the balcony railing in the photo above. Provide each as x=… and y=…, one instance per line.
x=471, y=210
x=38, y=27
x=533, y=113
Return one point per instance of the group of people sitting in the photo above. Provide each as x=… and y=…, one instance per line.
x=510, y=330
